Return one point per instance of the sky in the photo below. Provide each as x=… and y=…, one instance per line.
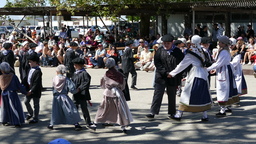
x=2, y=3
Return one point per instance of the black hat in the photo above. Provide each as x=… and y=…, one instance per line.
x=73, y=44
x=167, y=38
x=32, y=45
x=176, y=42
x=249, y=25
x=128, y=43
x=7, y=45
x=78, y=61
x=33, y=57
x=205, y=40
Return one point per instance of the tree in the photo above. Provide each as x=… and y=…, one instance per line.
x=109, y=8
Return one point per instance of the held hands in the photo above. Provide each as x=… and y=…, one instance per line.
x=29, y=93
x=169, y=76
x=212, y=71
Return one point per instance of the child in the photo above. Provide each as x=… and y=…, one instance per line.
x=11, y=112
x=82, y=81
x=113, y=108
x=35, y=88
x=63, y=109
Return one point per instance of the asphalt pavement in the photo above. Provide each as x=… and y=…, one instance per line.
x=238, y=127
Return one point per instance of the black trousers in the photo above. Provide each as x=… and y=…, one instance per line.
x=158, y=97
x=134, y=76
x=86, y=114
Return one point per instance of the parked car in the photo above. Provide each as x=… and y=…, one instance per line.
x=2, y=31
x=9, y=29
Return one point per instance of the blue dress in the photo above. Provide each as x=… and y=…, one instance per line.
x=64, y=110
x=12, y=111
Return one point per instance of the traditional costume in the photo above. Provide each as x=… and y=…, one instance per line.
x=113, y=108
x=195, y=96
x=238, y=70
x=11, y=108
x=226, y=86
x=63, y=109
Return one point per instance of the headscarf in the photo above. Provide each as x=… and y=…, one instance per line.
x=110, y=62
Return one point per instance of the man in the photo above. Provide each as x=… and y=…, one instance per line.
x=128, y=63
x=100, y=54
x=69, y=56
x=249, y=32
x=166, y=59
x=24, y=64
x=205, y=44
x=7, y=54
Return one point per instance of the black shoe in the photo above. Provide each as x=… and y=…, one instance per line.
x=6, y=124
x=228, y=111
x=150, y=116
x=50, y=127
x=204, y=119
x=78, y=127
x=220, y=114
x=33, y=121
x=170, y=116
x=133, y=87
x=28, y=117
x=17, y=126
x=91, y=126
x=124, y=131
x=175, y=118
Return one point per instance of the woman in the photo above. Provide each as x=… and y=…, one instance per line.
x=241, y=47
x=251, y=48
x=11, y=109
x=226, y=86
x=238, y=71
x=63, y=109
x=195, y=96
x=113, y=108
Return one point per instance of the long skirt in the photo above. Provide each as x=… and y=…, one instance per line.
x=195, y=97
x=11, y=109
x=64, y=111
x=114, y=110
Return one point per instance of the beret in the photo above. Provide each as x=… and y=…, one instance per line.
x=73, y=44
x=225, y=40
x=205, y=40
x=33, y=57
x=167, y=38
x=78, y=61
x=176, y=42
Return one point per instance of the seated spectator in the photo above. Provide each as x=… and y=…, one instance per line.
x=112, y=52
x=45, y=56
x=53, y=60
x=97, y=60
x=251, y=48
x=145, y=59
x=241, y=47
x=60, y=54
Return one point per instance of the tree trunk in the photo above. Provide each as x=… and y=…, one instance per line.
x=144, y=25
x=164, y=25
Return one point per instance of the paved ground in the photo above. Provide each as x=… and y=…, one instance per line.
x=240, y=127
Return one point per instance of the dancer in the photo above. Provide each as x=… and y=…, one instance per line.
x=196, y=96
x=226, y=86
x=11, y=109
x=113, y=108
x=82, y=81
x=34, y=81
x=63, y=109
